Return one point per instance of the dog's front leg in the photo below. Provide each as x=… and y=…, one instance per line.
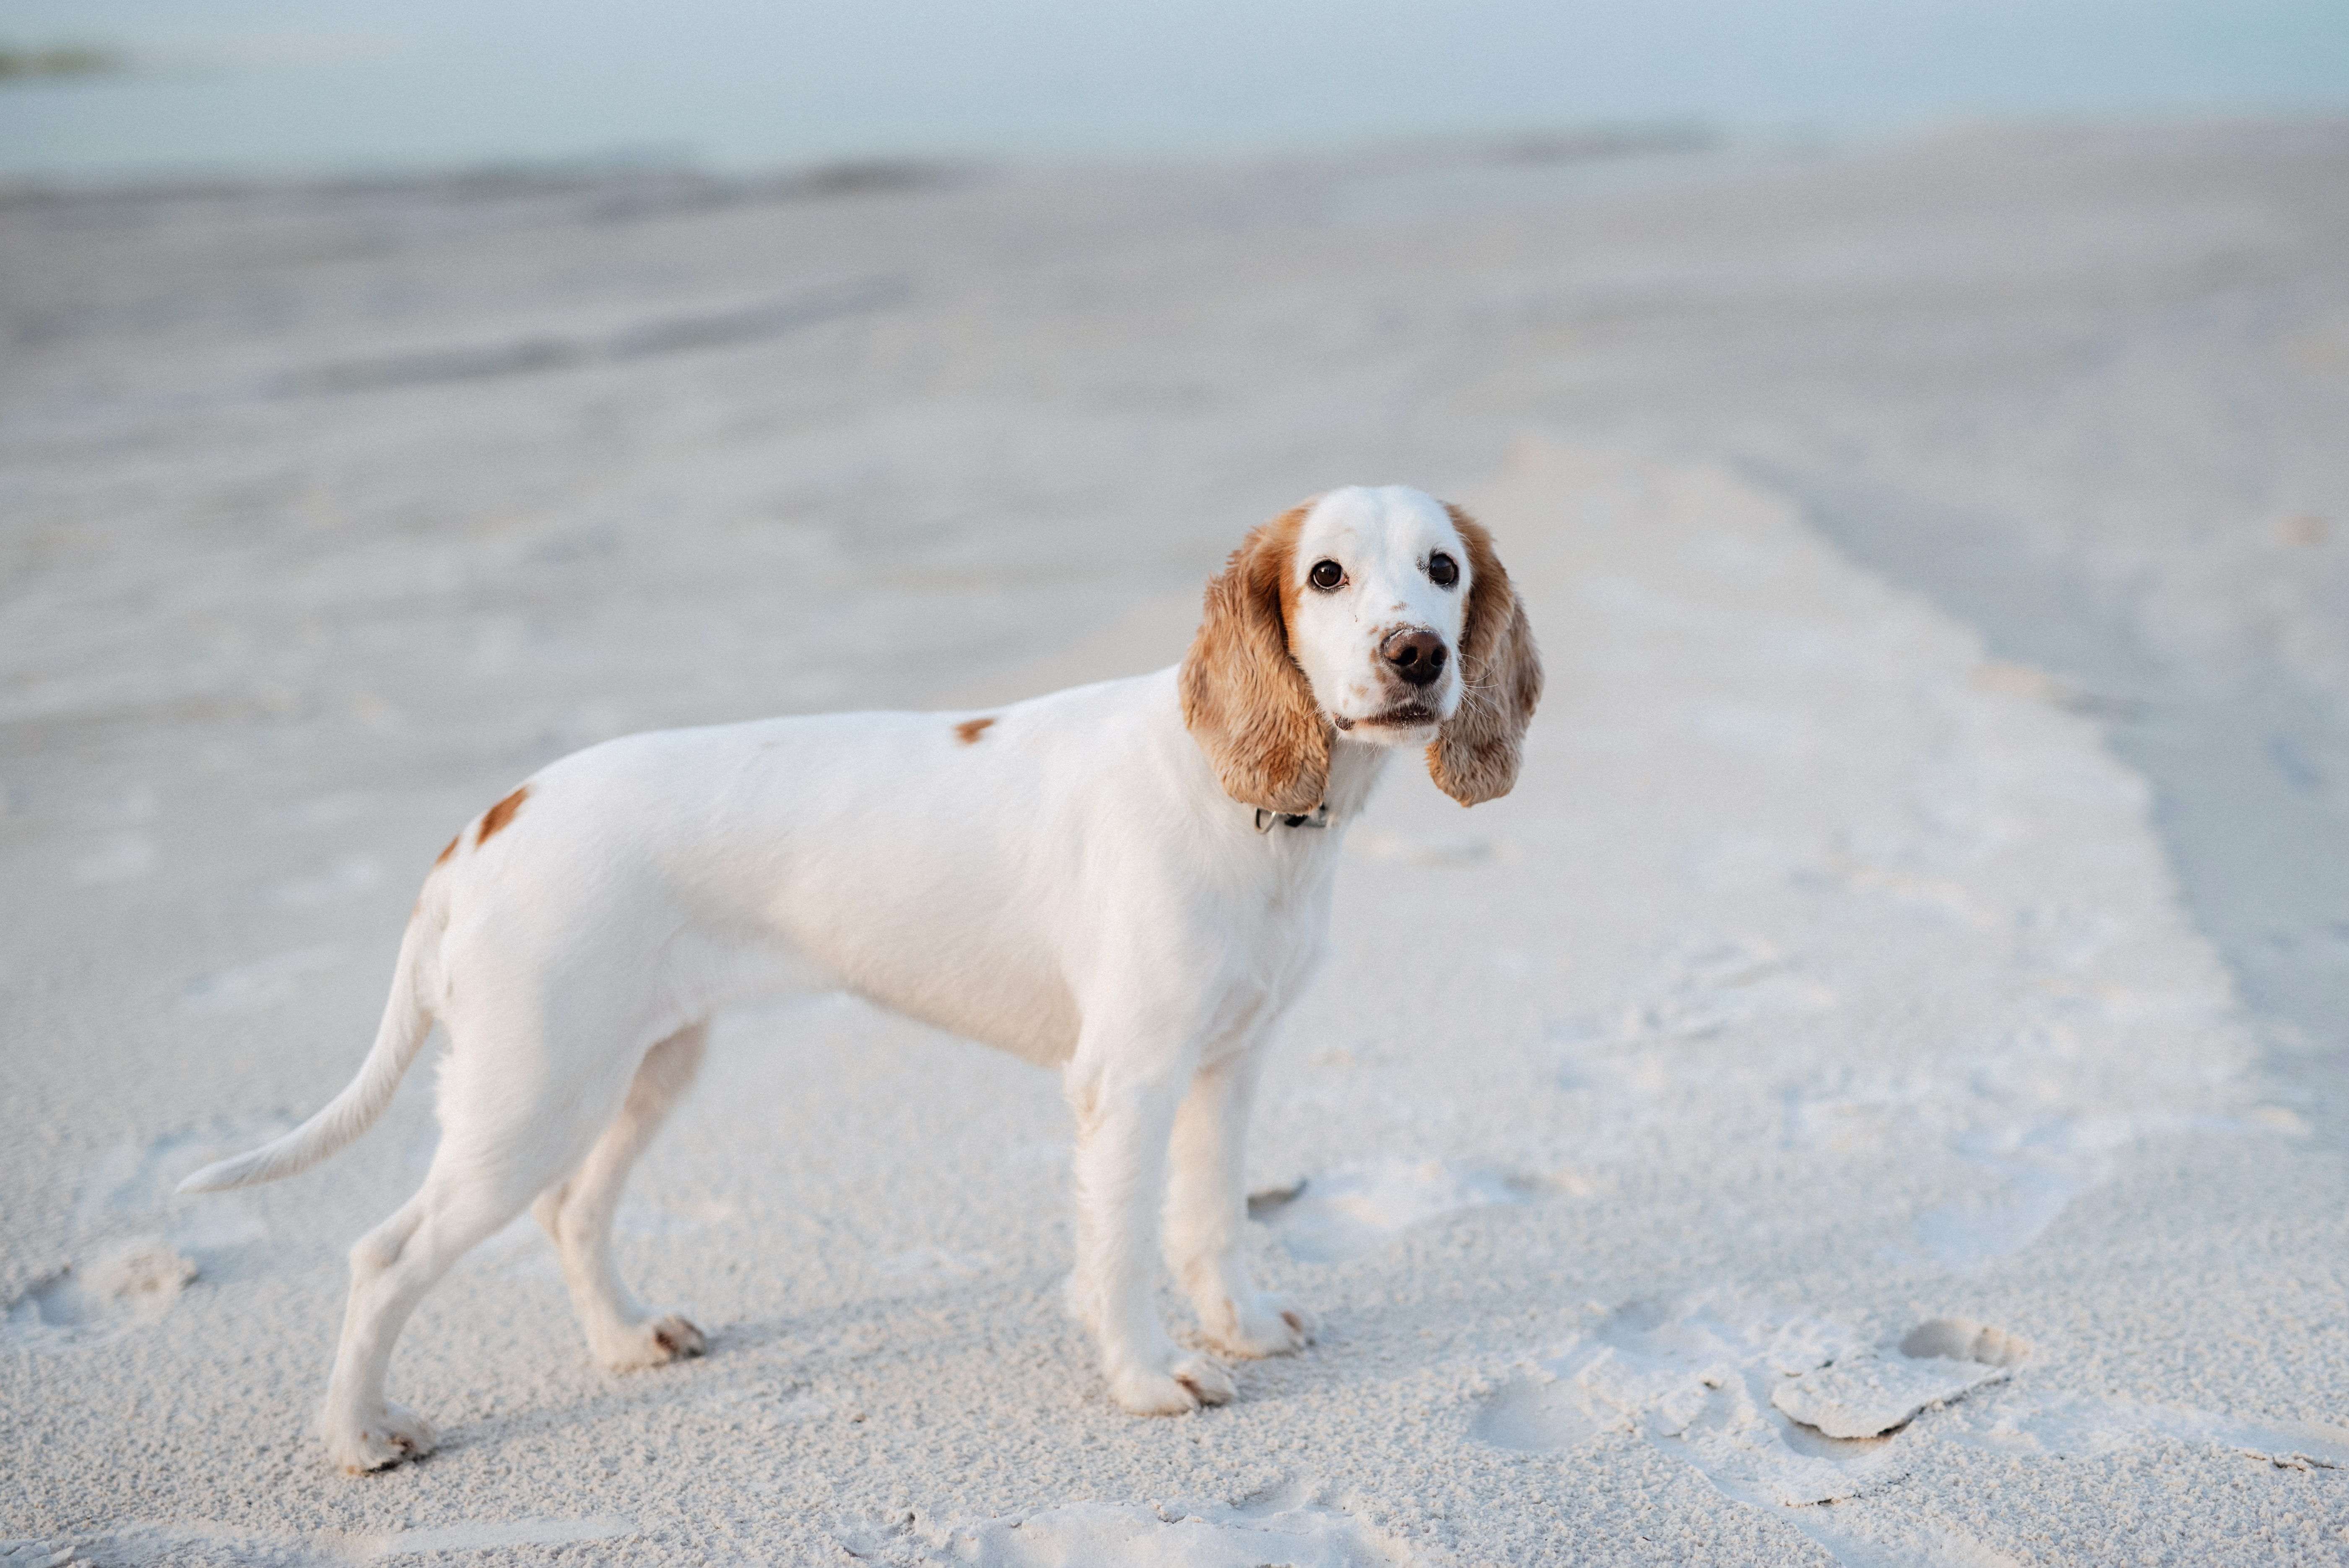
x=1123, y=1122
x=1207, y=1214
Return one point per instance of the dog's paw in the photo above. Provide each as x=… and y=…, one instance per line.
x=655, y=1342
x=1261, y=1324
x=1187, y=1381
x=391, y=1435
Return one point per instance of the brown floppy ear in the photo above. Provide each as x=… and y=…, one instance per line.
x=1475, y=756
x=1244, y=700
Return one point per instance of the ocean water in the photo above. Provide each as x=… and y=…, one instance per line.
x=322, y=87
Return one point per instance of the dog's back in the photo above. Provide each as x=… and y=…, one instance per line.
x=951, y=866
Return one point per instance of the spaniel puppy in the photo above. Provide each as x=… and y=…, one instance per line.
x=1127, y=882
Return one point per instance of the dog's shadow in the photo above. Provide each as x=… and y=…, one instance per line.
x=874, y=1363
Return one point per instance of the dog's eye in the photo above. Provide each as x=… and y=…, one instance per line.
x=1326, y=576
x=1442, y=569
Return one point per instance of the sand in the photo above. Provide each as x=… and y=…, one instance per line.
x=1871, y=1096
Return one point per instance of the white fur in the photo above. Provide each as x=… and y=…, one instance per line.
x=1073, y=885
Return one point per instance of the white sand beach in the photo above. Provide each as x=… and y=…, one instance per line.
x=1873, y=1095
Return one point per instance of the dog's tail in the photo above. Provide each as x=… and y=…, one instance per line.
x=405, y=1024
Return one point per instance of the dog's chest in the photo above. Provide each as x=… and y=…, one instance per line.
x=1279, y=935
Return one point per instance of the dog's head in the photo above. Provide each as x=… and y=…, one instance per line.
x=1383, y=613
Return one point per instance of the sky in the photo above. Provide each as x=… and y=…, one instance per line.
x=307, y=86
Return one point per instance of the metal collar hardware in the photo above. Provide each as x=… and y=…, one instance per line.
x=1316, y=817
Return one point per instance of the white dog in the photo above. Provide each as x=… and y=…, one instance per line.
x=1127, y=882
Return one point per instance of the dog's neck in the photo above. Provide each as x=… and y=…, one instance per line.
x=1354, y=769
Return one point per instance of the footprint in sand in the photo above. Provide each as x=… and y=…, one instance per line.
x=1875, y=1391
x=1702, y=1380
x=1345, y=1212
x=2052, y=1422
x=114, y=1285
x=113, y=1291
x=2001, y=1135
x=2014, y=1177
x=1780, y=1408
x=139, y=1183
x=1709, y=988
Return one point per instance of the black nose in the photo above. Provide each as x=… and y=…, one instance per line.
x=1416, y=655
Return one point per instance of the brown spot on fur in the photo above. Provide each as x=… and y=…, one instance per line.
x=498, y=815
x=1475, y=756
x=443, y=858
x=1245, y=701
x=968, y=730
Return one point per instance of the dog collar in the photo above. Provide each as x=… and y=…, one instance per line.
x=1316, y=817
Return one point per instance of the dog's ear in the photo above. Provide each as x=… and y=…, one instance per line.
x=1245, y=701
x=1475, y=756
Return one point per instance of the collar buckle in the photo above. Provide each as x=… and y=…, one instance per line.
x=1316, y=817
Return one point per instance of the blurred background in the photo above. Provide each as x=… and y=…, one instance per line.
x=114, y=88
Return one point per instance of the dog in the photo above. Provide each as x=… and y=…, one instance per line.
x=1129, y=883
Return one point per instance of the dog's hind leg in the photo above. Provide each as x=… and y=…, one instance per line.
x=1207, y=1214
x=392, y=1267
x=577, y=1212
x=507, y=1134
